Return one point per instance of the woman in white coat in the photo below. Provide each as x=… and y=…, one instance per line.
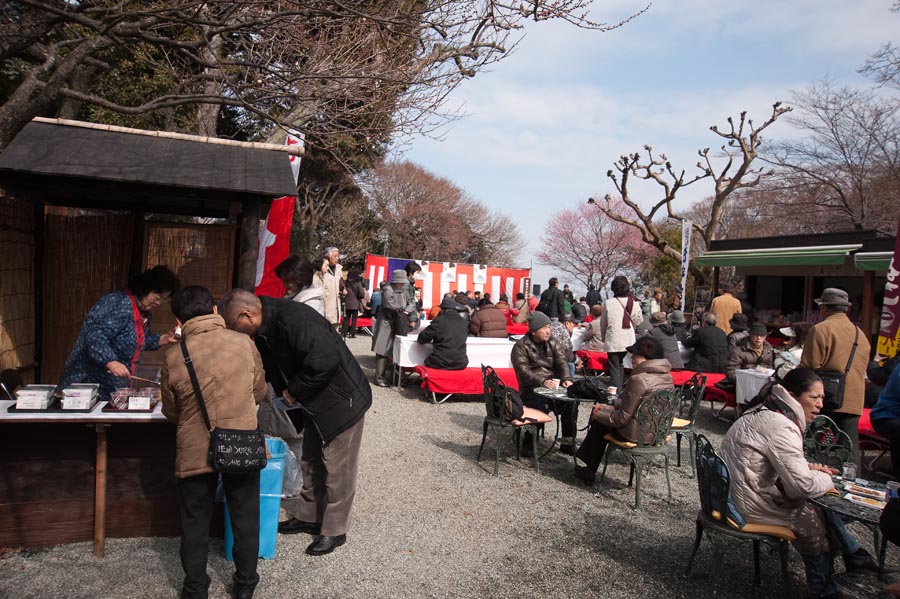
x=621, y=315
x=771, y=481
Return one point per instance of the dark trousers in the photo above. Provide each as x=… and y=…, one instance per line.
x=849, y=423
x=594, y=446
x=616, y=371
x=350, y=317
x=196, y=495
x=889, y=428
x=567, y=410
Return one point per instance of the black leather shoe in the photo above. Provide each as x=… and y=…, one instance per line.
x=585, y=475
x=293, y=526
x=567, y=449
x=242, y=592
x=859, y=561
x=324, y=545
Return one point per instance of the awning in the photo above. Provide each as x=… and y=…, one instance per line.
x=823, y=255
x=880, y=261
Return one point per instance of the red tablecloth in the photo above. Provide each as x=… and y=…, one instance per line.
x=593, y=360
x=680, y=377
x=362, y=322
x=517, y=329
x=716, y=394
x=865, y=426
x=465, y=382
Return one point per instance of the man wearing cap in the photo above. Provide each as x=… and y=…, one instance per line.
x=750, y=352
x=539, y=362
x=739, y=330
x=448, y=333
x=665, y=334
x=650, y=374
x=725, y=306
x=828, y=347
x=393, y=319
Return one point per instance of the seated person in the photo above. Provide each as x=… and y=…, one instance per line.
x=886, y=417
x=665, y=334
x=878, y=372
x=488, y=321
x=448, y=333
x=561, y=330
x=678, y=322
x=579, y=310
x=537, y=360
x=593, y=334
x=503, y=304
x=789, y=358
x=649, y=375
x=710, y=346
x=520, y=310
x=739, y=330
x=771, y=481
x=749, y=353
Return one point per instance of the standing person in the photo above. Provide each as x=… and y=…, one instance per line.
x=412, y=268
x=593, y=296
x=333, y=286
x=568, y=295
x=621, y=315
x=298, y=275
x=375, y=303
x=519, y=309
x=232, y=380
x=828, y=348
x=354, y=301
x=116, y=333
x=553, y=302
x=393, y=319
x=310, y=367
x=673, y=302
x=725, y=306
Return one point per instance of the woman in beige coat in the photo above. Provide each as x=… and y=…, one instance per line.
x=771, y=481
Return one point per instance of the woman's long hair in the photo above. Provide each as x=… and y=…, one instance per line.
x=796, y=382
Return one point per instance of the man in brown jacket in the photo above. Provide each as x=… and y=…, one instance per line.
x=828, y=347
x=232, y=381
x=725, y=306
x=488, y=321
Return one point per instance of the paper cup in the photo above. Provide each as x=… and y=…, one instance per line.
x=554, y=383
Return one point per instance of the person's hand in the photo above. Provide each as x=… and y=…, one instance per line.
x=288, y=398
x=566, y=384
x=595, y=410
x=167, y=338
x=549, y=384
x=822, y=468
x=118, y=370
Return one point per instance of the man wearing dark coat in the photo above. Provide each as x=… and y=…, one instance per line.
x=552, y=300
x=710, y=345
x=311, y=368
x=448, y=332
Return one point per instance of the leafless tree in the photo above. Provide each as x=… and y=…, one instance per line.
x=884, y=65
x=740, y=150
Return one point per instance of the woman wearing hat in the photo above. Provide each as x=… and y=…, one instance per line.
x=788, y=359
x=739, y=330
x=393, y=319
x=679, y=324
x=650, y=374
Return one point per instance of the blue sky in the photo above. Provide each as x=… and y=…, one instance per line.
x=546, y=123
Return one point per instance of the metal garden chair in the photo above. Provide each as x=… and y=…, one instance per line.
x=683, y=423
x=825, y=443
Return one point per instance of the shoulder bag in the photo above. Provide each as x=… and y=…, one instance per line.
x=834, y=381
x=231, y=451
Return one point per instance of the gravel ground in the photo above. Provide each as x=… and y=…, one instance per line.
x=431, y=522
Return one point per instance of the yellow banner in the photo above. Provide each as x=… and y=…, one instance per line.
x=888, y=347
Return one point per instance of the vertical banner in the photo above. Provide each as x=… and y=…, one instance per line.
x=890, y=309
x=686, y=228
x=295, y=138
x=274, y=246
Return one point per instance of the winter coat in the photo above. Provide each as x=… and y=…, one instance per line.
x=535, y=363
x=555, y=302
x=888, y=405
x=593, y=337
x=488, y=322
x=312, y=296
x=724, y=307
x=828, y=347
x=448, y=333
x=710, y=346
x=770, y=478
x=681, y=332
x=356, y=295
x=665, y=334
x=735, y=338
x=521, y=316
x=393, y=319
x=579, y=311
x=592, y=297
x=743, y=357
x=563, y=338
x=107, y=335
x=302, y=353
x=614, y=336
x=332, y=283
x=232, y=381
x=646, y=379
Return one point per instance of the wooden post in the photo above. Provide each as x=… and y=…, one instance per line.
x=137, y=243
x=868, y=298
x=100, y=492
x=248, y=245
x=38, y=286
x=715, y=283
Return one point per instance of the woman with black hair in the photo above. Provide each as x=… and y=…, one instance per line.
x=116, y=332
x=621, y=316
x=298, y=276
x=771, y=481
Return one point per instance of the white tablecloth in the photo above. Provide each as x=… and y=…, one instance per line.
x=577, y=338
x=749, y=382
x=480, y=350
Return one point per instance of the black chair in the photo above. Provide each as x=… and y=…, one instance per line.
x=825, y=443
x=683, y=423
x=10, y=380
x=718, y=515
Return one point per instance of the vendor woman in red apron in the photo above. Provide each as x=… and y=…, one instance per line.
x=117, y=331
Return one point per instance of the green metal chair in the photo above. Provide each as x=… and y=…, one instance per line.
x=654, y=421
x=718, y=515
x=495, y=392
x=686, y=414
x=825, y=443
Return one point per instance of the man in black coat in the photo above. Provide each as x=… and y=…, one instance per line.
x=448, y=332
x=593, y=296
x=310, y=367
x=552, y=303
x=710, y=345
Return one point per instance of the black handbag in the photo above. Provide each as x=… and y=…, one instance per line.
x=834, y=381
x=231, y=451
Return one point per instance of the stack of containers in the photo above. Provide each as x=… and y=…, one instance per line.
x=35, y=397
x=80, y=396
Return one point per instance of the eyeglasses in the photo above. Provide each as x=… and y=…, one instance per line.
x=235, y=321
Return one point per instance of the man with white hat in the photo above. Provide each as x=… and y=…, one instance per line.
x=837, y=345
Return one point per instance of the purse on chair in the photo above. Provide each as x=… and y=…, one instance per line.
x=231, y=451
